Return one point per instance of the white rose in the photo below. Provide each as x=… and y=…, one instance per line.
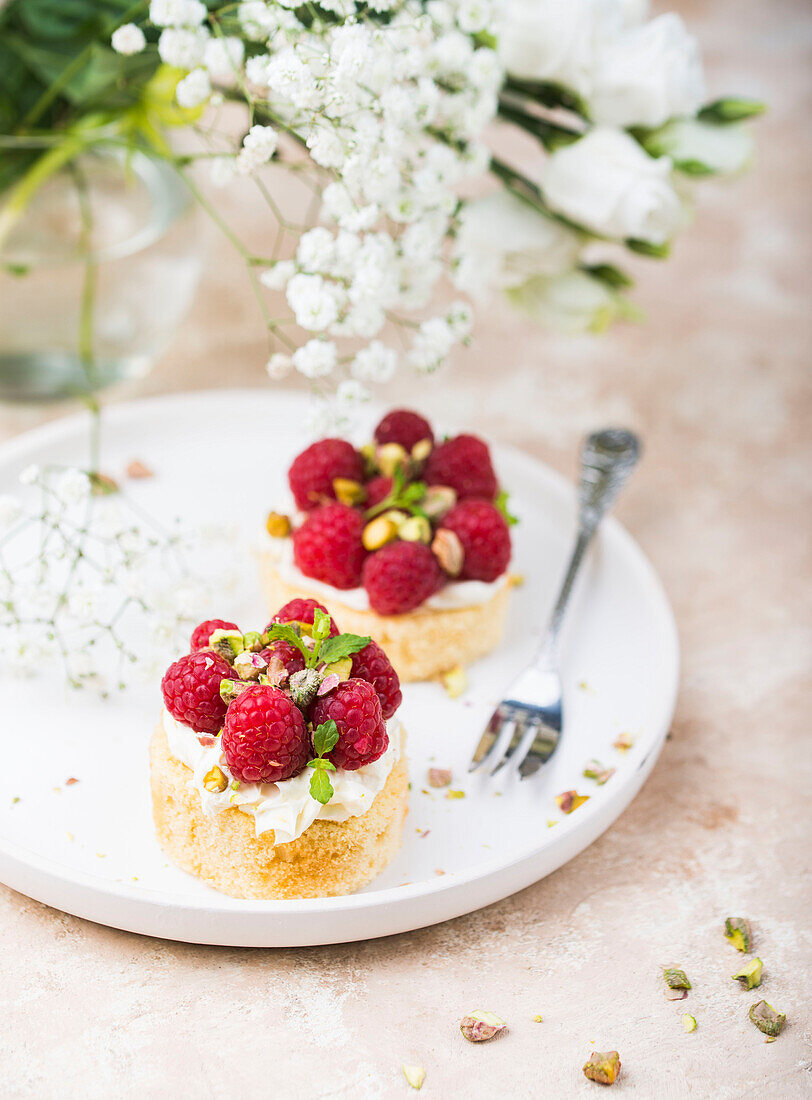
x=608, y=184
x=555, y=40
x=697, y=145
x=572, y=303
x=647, y=75
x=502, y=241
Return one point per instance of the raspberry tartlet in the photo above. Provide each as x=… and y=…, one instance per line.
x=408, y=539
x=277, y=768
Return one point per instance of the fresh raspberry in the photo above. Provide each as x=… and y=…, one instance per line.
x=464, y=464
x=372, y=664
x=356, y=710
x=328, y=546
x=265, y=739
x=312, y=472
x=191, y=690
x=202, y=633
x=404, y=427
x=288, y=654
x=485, y=538
x=301, y=611
x=378, y=489
x=400, y=576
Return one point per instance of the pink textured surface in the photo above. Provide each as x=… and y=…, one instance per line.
x=717, y=381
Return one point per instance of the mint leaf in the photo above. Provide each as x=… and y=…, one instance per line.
x=501, y=503
x=325, y=737
x=286, y=633
x=320, y=786
x=343, y=645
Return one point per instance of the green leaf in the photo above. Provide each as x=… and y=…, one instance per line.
x=731, y=109
x=320, y=786
x=324, y=764
x=343, y=645
x=694, y=168
x=286, y=633
x=501, y=503
x=325, y=737
x=646, y=248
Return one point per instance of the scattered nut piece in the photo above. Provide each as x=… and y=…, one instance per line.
x=438, y=500
x=422, y=450
x=478, y=1026
x=739, y=932
x=390, y=456
x=415, y=529
x=750, y=974
x=230, y=689
x=570, y=800
x=367, y=452
x=623, y=742
x=677, y=982
x=214, y=780
x=70, y=782
x=595, y=770
x=378, y=532
x=102, y=485
x=455, y=794
x=455, y=681
x=603, y=1068
x=228, y=643
x=515, y=580
x=137, y=469
x=277, y=525
x=348, y=491
x=689, y=1022
x=767, y=1019
x=341, y=668
x=328, y=684
x=448, y=551
x=538, y=1019
x=248, y=666
x=415, y=1075
x=439, y=777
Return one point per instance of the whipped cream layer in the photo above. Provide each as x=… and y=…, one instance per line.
x=451, y=597
x=285, y=807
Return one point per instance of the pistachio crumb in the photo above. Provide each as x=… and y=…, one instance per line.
x=570, y=800
x=750, y=974
x=739, y=933
x=603, y=1068
x=277, y=525
x=689, y=1022
x=538, y=1019
x=595, y=770
x=479, y=1026
x=455, y=681
x=415, y=1075
x=439, y=777
x=766, y=1019
x=455, y=794
x=623, y=742
x=677, y=982
x=137, y=469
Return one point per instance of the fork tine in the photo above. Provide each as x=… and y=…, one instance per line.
x=539, y=749
x=501, y=729
x=520, y=745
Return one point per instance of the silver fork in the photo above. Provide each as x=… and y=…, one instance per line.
x=524, y=730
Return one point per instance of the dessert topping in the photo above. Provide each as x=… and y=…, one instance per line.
x=739, y=932
x=750, y=974
x=767, y=1019
x=479, y=1026
x=603, y=1068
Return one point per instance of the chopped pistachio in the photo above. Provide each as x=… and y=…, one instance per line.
x=389, y=456
x=368, y=454
x=422, y=450
x=303, y=687
x=515, y=580
x=689, y=1022
x=348, y=491
x=230, y=689
x=739, y=932
x=623, y=742
x=448, y=551
x=439, y=777
x=570, y=800
x=248, y=666
x=415, y=529
x=595, y=770
x=415, y=1075
x=750, y=974
x=675, y=978
x=228, y=643
x=455, y=794
x=767, y=1019
x=455, y=681
x=478, y=1026
x=438, y=500
x=378, y=532
x=603, y=1068
x=277, y=525
x=538, y=1019
x=102, y=485
x=550, y=823
x=215, y=780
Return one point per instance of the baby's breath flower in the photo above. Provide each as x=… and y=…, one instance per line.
x=276, y=277
x=194, y=89
x=316, y=359
x=258, y=146
x=128, y=39
x=278, y=366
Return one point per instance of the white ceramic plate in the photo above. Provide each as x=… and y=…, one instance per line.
x=89, y=848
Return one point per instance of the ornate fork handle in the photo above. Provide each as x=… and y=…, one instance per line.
x=607, y=459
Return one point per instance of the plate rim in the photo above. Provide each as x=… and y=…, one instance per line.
x=22, y=862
